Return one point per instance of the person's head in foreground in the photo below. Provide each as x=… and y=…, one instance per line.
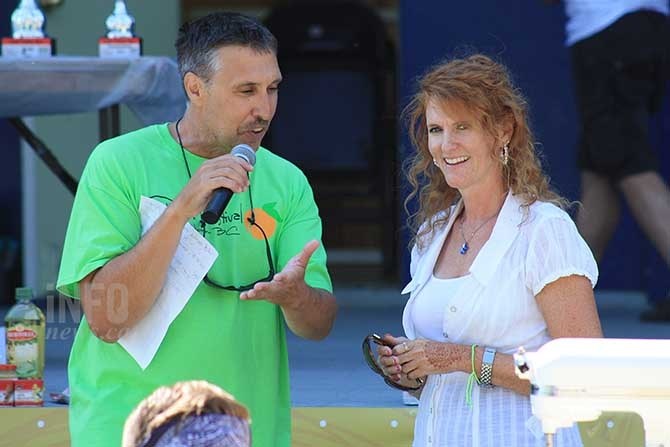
x=188, y=414
x=470, y=126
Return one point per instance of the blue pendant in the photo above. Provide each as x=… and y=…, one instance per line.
x=464, y=248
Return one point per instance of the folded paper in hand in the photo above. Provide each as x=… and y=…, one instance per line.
x=192, y=260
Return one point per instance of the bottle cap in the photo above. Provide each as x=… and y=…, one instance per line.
x=24, y=293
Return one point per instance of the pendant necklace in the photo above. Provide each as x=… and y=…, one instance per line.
x=466, y=246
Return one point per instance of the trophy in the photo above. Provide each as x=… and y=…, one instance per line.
x=28, y=39
x=120, y=42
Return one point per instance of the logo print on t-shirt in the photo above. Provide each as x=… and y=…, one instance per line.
x=266, y=217
x=229, y=224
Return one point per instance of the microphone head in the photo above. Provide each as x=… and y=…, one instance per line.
x=246, y=152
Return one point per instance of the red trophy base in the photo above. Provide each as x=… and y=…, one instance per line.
x=28, y=48
x=119, y=48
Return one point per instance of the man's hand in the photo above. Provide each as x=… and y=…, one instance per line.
x=287, y=285
x=309, y=312
x=225, y=171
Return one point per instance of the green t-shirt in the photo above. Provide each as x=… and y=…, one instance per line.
x=238, y=345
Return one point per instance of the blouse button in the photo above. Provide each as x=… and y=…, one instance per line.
x=453, y=308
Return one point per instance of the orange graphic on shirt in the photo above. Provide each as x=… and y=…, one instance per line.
x=264, y=220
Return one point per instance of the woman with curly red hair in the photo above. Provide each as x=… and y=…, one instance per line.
x=496, y=261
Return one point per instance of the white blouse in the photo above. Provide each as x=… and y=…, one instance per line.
x=495, y=306
x=431, y=304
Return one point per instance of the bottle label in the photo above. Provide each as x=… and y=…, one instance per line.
x=23, y=349
x=20, y=334
x=28, y=392
x=6, y=393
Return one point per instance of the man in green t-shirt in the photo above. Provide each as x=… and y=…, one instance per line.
x=231, y=331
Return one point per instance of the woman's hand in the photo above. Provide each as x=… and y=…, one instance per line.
x=390, y=366
x=388, y=361
x=420, y=358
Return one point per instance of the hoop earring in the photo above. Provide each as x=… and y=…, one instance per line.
x=504, y=154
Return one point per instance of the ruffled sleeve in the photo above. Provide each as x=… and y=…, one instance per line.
x=556, y=250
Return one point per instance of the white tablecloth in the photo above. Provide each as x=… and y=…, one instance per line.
x=149, y=86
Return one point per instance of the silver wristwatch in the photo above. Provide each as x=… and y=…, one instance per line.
x=486, y=372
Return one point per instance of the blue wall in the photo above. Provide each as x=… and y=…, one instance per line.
x=528, y=37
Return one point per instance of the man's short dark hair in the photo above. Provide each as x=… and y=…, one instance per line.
x=198, y=40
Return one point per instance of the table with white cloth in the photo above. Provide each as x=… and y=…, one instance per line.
x=150, y=86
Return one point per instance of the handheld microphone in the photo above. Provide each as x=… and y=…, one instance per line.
x=221, y=196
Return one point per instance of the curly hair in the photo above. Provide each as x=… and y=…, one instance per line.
x=178, y=401
x=484, y=88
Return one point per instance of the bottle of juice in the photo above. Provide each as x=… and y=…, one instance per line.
x=25, y=327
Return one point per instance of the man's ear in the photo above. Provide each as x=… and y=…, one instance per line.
x=194, y=87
